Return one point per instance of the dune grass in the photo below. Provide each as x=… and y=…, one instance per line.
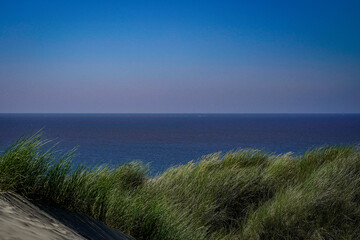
x=246, y=194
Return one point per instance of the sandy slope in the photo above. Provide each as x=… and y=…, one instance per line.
x=20, y=219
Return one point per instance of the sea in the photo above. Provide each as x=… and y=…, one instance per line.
x=168, y=140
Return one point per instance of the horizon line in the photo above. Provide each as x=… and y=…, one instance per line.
x=184, y=113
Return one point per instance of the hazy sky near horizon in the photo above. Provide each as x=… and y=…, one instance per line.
x=179, y=56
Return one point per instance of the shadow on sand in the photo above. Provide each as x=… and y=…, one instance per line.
x=58, y=221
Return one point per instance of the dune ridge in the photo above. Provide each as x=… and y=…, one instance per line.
x=245, y=194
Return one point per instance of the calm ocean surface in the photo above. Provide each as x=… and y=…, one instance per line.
x=164, y=140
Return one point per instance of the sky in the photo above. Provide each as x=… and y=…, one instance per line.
x=179, y=56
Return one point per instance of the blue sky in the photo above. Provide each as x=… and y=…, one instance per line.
x=180, y=56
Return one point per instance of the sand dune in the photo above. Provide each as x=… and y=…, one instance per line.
x=21, y=219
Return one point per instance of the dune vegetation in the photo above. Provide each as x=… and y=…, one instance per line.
x=245, y=194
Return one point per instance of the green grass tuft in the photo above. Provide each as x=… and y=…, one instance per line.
x=247, y=194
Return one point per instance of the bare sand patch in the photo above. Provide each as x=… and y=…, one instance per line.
x=21, y=219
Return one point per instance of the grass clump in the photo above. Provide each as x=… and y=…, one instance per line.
x=246, y=194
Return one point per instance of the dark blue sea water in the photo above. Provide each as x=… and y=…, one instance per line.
x=164, y=140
